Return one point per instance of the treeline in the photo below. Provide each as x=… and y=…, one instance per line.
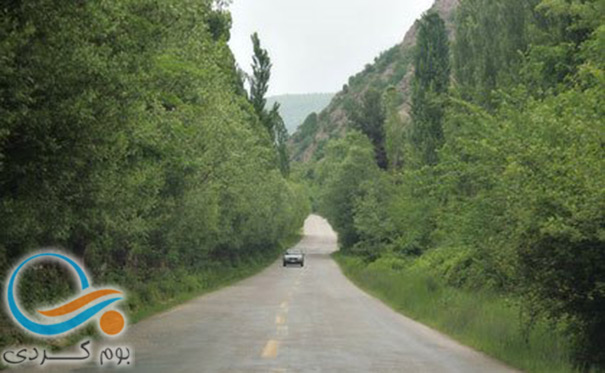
x=495, y=181
x=128, y=139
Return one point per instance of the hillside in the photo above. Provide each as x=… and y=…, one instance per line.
x=391, y=68
x=462, y=173
x=294, y=108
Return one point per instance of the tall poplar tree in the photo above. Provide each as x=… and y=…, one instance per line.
x=259, y=81
x=369, y=118
x=430, y=85
x=271, y=119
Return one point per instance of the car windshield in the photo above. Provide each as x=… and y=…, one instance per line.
x=293, y=252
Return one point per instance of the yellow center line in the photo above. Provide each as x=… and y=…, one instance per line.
x=270, y=350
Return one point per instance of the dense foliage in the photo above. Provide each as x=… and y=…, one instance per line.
x=270, y=118
x=496, y=181
x=369, y=119
x=126, y=138
x=429, y=89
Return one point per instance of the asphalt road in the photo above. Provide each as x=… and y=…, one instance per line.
x=293, y=319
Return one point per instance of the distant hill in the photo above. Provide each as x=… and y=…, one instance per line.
x=392, y=67
x=295, y=108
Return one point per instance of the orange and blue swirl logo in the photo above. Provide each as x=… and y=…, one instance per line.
x=72, y=314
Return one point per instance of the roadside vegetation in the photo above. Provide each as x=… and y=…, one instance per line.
x=481, y=213
x=482, y=319
x=127, y=138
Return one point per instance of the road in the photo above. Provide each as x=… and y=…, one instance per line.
x=310, y=319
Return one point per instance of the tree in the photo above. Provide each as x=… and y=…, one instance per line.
x=271, y=119
x=261, y=73
x=369, y=119
x=395, y=130
x=348, y=164
x=281, y=138
x=129, y=144
x=489, y=38
x=430, y=86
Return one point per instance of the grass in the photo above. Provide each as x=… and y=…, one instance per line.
x=485, y=321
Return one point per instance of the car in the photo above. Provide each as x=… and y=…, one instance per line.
x=294, y=256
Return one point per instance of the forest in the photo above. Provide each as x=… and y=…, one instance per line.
x=127, y=139
x=466, y=184
x=481, y=212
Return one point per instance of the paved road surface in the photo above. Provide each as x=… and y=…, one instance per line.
x=296, y=320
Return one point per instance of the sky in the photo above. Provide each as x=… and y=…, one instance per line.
x=315, y=45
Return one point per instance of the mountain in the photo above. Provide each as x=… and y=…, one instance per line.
x=294, y=108
x=392, y=67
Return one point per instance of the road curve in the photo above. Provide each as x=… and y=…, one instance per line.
x=310, y=319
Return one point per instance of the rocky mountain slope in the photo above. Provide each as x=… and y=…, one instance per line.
x=392, y=67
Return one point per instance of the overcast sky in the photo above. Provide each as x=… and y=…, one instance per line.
x=315, y=45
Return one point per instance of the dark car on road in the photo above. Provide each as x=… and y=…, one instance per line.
x=294, y=256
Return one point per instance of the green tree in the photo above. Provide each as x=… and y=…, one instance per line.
x=491, y=37
x=559, y=35
x=395, y=130
x=369, y=118
x=348, y=164
x=259, y=81
x=271, y=119
x=281, y=139
x=430, y=86
x=132, y=145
